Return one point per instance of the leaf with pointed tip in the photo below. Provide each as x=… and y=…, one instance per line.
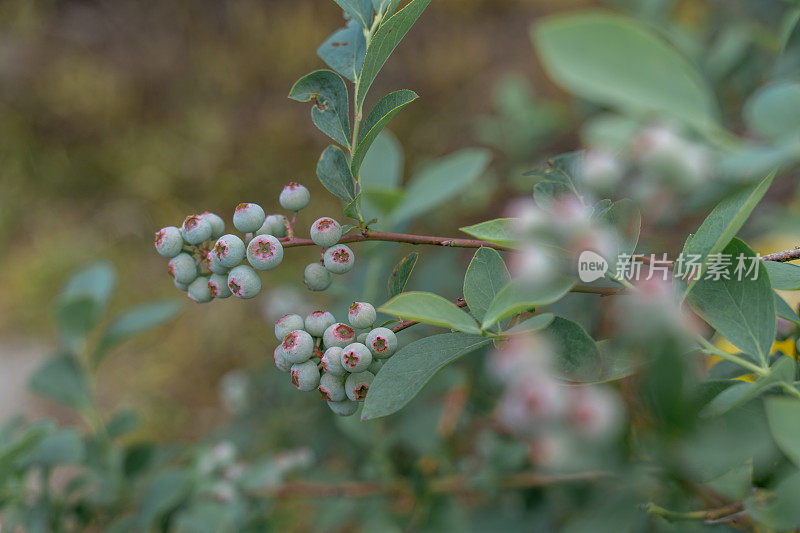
x=385, y=6
x=498, y=231
x=334, y=173
x=359, y=10
x=398, y=279
x=431, y=309
x=377, y=119
x=330, y=111
x=344, y=50
x=785, y=311
x=783, y=276
x=486, y=276
x=63, y=380
x=516, y=298
x=534, y=323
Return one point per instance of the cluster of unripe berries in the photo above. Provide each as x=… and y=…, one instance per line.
x=322, y=354
x=206, y=263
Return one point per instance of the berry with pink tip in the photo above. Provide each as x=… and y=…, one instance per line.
x=248, y=218
x=338, y=335
x=286, y=324
x=305, y=376
x=294, y=197
x=344, y=408
x=264, y=252
x=215, y=265
x=216, y=222
x=229, y=250
x=273, y=225
x=331, y=361
x=339, y=259
x=298, y=346
x=361, y=315
x=316, y=277
x=356, y=357
x=318, y=321
x=281, y=363
x=356, y=386
x=198, y=290
x=182, y=268
x=196, y=229
x=332, y=388
x=169, y=241
x=325, y=232
x=382, y=342
x=218, y=286
x=244, y=282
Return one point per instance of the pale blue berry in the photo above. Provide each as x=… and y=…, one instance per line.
x=180, y=286
x=331, y=361
x=287, y=324
x=345, y=408
x=182, y=268
x=317, y=277
x=198, y=290
x=244, y=282
x=339, y=259
x=281, y=363
x=264, y=252
x=229, y=250
x=169, y=241
x=362, y=338
x=376, y=365
x=356, y=357
x=294, y=197
x=215, y=265
x=318, y=321
x=356, y=386
x=361, y=315
x=326, y=232
x=217, y=224
x=338, y=335
x=218, y=286
x=196, y=229
x=273, y=225
x=332, y=388
x=248, y=218
x=305, y=376
x=298, y=346
x=382, y=342
x=248, y=237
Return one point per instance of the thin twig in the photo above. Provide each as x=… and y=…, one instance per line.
x=408, y=323
x=706, y=515
x=782, y=257
x=369, y=235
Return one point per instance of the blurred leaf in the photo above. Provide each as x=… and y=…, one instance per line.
x=742, y=311
x=547, y=192
x=382, y=167
x=383, y=43
x=783, y=415
x=785, y=311
x=429, y=309
x=12, y=451
x=62, y=379
x=441, y=181
x=516, y=298
x=334, y=173
x=741, y=392
x=577, y=356
x=330, y=112
x=377, y=119
x=344, y=51
x=777, y=510
x=124, y=421
x=497, y=231
x=398, y=279
x=486, y=276
x=60, y=448
x=358, y=10
x=614, y=60
x=407, y=371
x=535, y=323
x=383, y=200
x=82, y=302
x=135, y=321
x=783, y=276
x=626, y=219
x=774, y=111
x=207, y=517
x=138, y=458
x=168, y=488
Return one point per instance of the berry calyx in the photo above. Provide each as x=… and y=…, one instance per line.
x=218, y=286
x=357, y=385
x=196, y=229
x=356, y=357
x=229, y=250
x=382, y=342
x=298, y=346
x=338, y=335
x=339, y=259
x=264, y=252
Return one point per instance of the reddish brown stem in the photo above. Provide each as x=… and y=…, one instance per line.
x=369, y=235
x=782, y=257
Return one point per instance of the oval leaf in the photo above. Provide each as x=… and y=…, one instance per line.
x=516, y=298
x=334, y=173
x=486, y=276
x=430, y=309
x=783, y=276
x=398, y=279
x=330, y=112
x=344, y=50
x=497, y=231
x=377, y=119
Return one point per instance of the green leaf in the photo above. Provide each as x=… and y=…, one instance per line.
x=626, y=218
x=783, y=415
x=534, y=323
x=547, y=192
x=124, y=421
x=382, y=167
x=385, y=6
x=377, y=119
x=353, y=209
x=330, y=112
x=82, y=303
x=334, y=173
x=741, y=392
x=62, y=379
x=577, y=356
x=783, y=276
x=498, y=231
x=785, y=311
x=774, y=111
x=344, y=50
x=616, y=61
x=135, y=321
x=779, y=511
x=516, y=298
x=383, y=43
x=407, y=371
x=398, y=279
x=441, y=181
x=358, y=10
x=429, y=309
x=742, y=311
x=723, y=223
x=59, y=448
x=486, y=276
x=167, y=490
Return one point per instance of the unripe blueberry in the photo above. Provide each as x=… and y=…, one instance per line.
x=180, y=286
x=332, y=361
x=265, y=252
x=356, y=357
x=196, y=229
x=362, y=338
x=305, y=376
x=332, y=388
x=217, y=224
x=338, y=335
x=287, y=324
x=273, y=225
x=345, y=408
x=218, y=286
x=317, y=322
x=382, y=342
x=294, y=197
x=361, y=315
x=215, y=265
x=248, y=217
x=198, y=290
x=248, y=237
x=357, y=385
x=376, y=366
x=316, y=277
x=244, y=282
x=182, y=268
x=326, y=232
x=281, y=363
x=338, y=259
x=298, y=346
x=169, y=241
x=229, y=250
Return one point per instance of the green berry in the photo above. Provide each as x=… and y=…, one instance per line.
x=362, y=338
x=229, y=250
x=332, y=388
x=332, y=361
x=196, y=229
x=382, y=342
x=248, y=217
x=281, y=363
x=218, y=286
x=169, y=241
x=244, y=282
x=182, y=268
x=356, y=357
x=217, y=224
x=376, y=365
x=305, y=376
x=298, y=346
x=264, y=252
x=338, y=259
x=345, y=408
x=317, y=322
x=215, y=265
x=273, y=225
x=316, y=277
x=294, y=197
x=361, y=315
x=287, y=324
x=356, y=386
x=338, y=335
x=326, y=232
x=198, y=290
